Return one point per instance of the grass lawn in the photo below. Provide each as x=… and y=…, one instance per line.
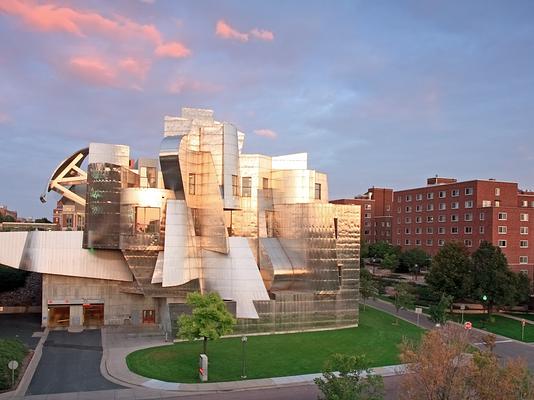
x=277, y=355
x=10, y=350
x=501, y=326
x=530, y=317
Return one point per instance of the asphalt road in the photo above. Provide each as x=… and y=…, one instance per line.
x=22, y=327
x=70, y=363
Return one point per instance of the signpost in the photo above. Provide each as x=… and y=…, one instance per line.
x=203, y=368
x=13, y=365
x=418, y=311
x=462, y=307
x=244, y=370
x=523, y=323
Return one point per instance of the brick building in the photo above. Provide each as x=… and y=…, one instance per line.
x=470, y=212
x=376, y=215
x=4, y=212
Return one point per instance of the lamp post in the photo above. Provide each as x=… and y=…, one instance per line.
x=243, y=347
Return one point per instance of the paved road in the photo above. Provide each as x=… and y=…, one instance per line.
x=505, y=348
x=70, y=363
x=20, y=326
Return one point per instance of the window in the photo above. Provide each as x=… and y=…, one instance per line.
x=468, y=191
x=246, y=189
x=399, y=199
x=407, y=231
x=532, y=204
x=419, y=196
x=418, y=208
x=497, y=203
x=497, y=191
x=482, y=216
x=399, y=210
x=523, y=230
x=147, y=220
x=523, y=260
x=430, y=218
x=442, y=194
x=408, y=220
x=524, y=203
x=418, y=219
x=388, y=223
x=407, y=242
x=317, y=191
x=430, y=196
x=235, y=185
x=524, y=272
x=68, y=220
x=367, y=223
x=441, y=242
x=523, y=244
x=442, y=218
x=468, y=243
x=408, y=209
x=502, y=243
x=454, y=217
x=455, y=192
x=192, y=183
x=265, y=183
x=469, y=204
x=366, y=215
x=486, y=203
x=502, y=230
x=418, y=231
x=468, y=217
x=468, y=230
x=481, y=230
x=368, y=206
x=523, y=217
x=454, y=230
x=429, y=230
x=388, y=208
x=455, y=205
x=502, y=216
x=429, y=242
x=418, y=242
x=408, y=197
x=442, y=206
x=430, y=207
x=441, y=230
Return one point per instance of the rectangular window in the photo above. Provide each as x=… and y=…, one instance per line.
x=429, y=230
x=430, y=207
x=442, y=194
x=468, y=217
x=407, y=231
x=407, y=220
x=523, y=260
x=441, y=242
x=265, y=183
x=502, y=216
x=523, y=217
x=486, y=203
x=441, y=230
x=317, y=191
x=523, y=230
x=367, y=206
x=482, y=216
x=418, y=219
x=419, y=196
x=469, y=204
x=192, y=183
x=523, y=244
x=418, y=242
x=502, y=230
x=407, y=242
x=454, y=230
x=455, y=205
x=399, y=199
x=246, y=187
x=454, y=218
x=399, y=210
x=468, y=243
x=442, y=206
x=497, y=203
x=408, y=197
x=502, y=243
x=497, y=191
x=524, y=203
x=442, y=218
x=235, y=185
x=481, y=230
x=418, y=208
x=429, y=242
x=468, y=191
x=430, y=196
x=418, y=231
x=468, y=230
x=455, y=192
x=430, y=218
x=147, y=219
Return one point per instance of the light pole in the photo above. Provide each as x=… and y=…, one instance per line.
x=243, y=343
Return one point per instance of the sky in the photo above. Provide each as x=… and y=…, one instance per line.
x=379, y=93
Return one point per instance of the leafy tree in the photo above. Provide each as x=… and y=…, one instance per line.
x=11, y=278
x=438, y=312
x=381, y=249
x=43, y=220
x=209, y=319
x=368, y=287
x=492, y=278
x=523, y=288
x=414, y=259
x=7, y=218
x=450, y=273
x=404, y=298
x=354, y=381
x=390, y=261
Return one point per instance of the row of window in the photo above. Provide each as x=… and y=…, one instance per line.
x=441, y=194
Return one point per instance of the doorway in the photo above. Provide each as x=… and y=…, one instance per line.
x=93, y=315
x=149, y=316
x=58, y=316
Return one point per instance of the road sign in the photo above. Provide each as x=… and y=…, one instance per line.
x=13, y=364
x=418, y=310
x=523, y=322
x=462, y=307
x=468, y=326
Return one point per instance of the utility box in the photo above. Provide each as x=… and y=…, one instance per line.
x=203, y=368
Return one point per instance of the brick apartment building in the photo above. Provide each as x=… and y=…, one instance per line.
x=469, y=212
x=376, y=214
x=4, y=212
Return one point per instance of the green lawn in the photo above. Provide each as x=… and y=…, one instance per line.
x=10, y=350
x=530, y=317
x=277, y=355
x=501, y=326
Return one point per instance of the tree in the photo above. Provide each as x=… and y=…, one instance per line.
x=209, y=318
x=390, y=261
x=43, y=220
x=414, y=259
x=492, y=278
x=368, y=287
x=354, y=381
x=404, y=298
x=7, y=218
x=381, y=249
x=438, y=312
x=450, y=273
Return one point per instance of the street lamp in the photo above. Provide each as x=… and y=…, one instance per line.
x=243, y=371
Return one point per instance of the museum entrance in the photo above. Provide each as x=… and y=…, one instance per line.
x=93, y=315
x=58, y=316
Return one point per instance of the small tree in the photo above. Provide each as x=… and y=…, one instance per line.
x=414, y=259
x=354, y=381
x=438, y=312
x=209, y=319
x=368, y=287
x=390, y=261
x=404, y=298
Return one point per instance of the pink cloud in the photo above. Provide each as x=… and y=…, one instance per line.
x=266, y=133
x=134, y=67
x=182, y=85
x=226, y=31
x=172, y=49
x=4, y=118
x=93, y=70
x=51, y=18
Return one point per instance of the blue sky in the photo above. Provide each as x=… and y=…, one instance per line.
x=380, y=93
